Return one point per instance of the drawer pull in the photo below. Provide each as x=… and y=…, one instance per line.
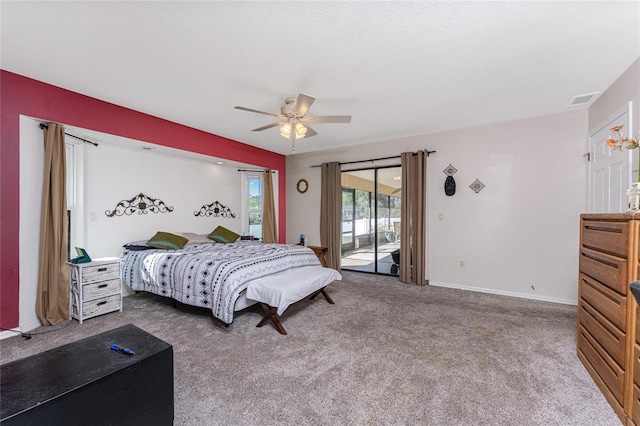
x=102, y=285
x=102, y=269
x=603, y=229
x=101, y=303
x=601, y=260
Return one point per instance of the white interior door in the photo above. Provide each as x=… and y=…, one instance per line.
x=609, y=170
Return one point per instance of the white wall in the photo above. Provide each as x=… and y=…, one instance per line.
x=31, y=171
x=111, y=174
x=114, y=174
x=518, y=236
x=626, y=88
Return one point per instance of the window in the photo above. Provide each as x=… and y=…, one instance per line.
x=75, y=173
x=255, y=190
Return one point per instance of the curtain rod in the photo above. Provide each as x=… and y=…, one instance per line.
x=373, y=159
x=256, y=170
x=42, y=126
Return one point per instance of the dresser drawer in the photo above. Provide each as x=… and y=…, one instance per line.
x=96, y=273
x=611, y=305
x=98, y=306
x=609, y=270
x=638, y=326
x=610, y=373
x=636, y=364
x=636, y=405
x=612, y=237
x=100, y=289
x=608, y=335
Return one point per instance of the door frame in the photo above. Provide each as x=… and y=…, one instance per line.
x=373, y=201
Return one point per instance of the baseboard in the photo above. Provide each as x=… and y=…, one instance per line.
x=506, y=293
x=24, y=328
x=31, y=326
x=9, y=333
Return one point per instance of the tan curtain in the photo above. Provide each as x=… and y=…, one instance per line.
x=269, y=229
x=331, y=213
x=414, y=210
x=52, y=304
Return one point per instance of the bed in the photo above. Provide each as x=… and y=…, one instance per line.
x=211, y=275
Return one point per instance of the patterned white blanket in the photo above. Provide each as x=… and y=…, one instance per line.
x=210, y=275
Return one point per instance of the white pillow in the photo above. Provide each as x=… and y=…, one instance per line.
x=196, y=238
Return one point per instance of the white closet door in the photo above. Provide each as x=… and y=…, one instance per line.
x=609, y=169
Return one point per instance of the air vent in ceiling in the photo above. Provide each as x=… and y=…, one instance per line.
x=582, y=100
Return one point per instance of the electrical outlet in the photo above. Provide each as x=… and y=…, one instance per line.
x=440, y=216
x=461, y=264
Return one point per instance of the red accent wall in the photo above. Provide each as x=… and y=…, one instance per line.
x=20, y=95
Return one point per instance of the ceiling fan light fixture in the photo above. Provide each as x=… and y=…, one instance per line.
x=285, y=130
x=293, y=120
x=301, y=131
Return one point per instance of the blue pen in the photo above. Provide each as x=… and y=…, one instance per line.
x=126, y=351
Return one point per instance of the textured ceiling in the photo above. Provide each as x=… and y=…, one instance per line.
x=399, y=68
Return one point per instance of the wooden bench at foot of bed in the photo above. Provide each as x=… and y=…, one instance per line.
x=276, y=292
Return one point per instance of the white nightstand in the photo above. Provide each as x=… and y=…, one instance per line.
x=95, y=288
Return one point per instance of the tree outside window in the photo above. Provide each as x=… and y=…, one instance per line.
x=255, y=206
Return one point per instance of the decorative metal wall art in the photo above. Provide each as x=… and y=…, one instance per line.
x=214, y=209
x=476, y=186
x=142, y=204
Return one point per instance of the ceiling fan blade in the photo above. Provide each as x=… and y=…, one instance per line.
x=302, y=104
x=268, y=126
x=328, y=119
x=310, y=132
x=259, y=112
x=395, y=191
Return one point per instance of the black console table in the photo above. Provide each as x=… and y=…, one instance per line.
x=87, y=383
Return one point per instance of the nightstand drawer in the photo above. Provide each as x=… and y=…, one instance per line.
x=98, y=306
x=100, y=272
x=100, y=289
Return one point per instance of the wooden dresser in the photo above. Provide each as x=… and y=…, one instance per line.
x=608, y=337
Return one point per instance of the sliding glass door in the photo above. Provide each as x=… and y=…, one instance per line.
x=371, y=203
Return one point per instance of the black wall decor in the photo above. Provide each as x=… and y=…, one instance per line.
x=142, y=204
x=214, y=209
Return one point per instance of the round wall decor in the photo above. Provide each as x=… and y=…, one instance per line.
x=302, y=186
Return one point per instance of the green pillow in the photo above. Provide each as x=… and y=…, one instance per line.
x=167, y=241
x=223, y=235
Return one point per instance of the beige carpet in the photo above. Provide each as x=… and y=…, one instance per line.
x=386, y=353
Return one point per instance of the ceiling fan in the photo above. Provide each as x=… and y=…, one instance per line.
x=293, y=121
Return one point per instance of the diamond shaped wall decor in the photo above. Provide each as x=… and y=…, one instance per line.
x=476, y=186
x=450, y=170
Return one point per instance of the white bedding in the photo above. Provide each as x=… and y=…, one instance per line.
x=283, y=289
x=210, y=275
